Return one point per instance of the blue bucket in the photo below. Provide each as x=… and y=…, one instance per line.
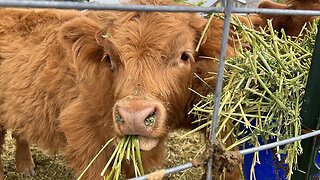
x=271, y=167
x=317, y=163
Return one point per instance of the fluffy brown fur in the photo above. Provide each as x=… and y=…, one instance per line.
x=292, y=25
x=62, y=72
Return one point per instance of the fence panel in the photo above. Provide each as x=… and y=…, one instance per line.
x=227, y=10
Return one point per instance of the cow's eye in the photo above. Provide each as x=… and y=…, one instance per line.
x=185, y=56
x=107, y=59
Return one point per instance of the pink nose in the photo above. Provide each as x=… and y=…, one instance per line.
x=137, y=119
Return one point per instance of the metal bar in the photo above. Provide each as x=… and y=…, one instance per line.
x=123, y=7
x=243, y=152
x=276, y=11
x=219, y=82
x=279, y=143
x=100, y=6
x=168, y=171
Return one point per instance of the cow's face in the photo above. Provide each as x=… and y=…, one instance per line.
x=153, y=64
x=148, y=62
x=153, y=76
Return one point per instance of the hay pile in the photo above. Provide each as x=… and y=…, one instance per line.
x=263, y=90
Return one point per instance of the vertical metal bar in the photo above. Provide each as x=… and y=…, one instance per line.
x=219, y=82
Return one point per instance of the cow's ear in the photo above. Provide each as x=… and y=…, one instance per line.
x=82, y=27
x=78, y=37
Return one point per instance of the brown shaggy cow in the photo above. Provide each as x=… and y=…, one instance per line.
x=71, y=80
x=292, y=25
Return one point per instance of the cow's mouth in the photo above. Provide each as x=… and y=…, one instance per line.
x=145, y=143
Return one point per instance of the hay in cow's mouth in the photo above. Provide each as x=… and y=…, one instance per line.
x=129, y=148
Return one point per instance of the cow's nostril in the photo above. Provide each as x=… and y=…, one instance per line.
x=118, y=119
x=150, y=119
x=138, y=117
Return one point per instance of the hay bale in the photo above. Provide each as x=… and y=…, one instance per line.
x=263, y=90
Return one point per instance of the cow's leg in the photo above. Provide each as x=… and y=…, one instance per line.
x=24, y=161
x=2, y=141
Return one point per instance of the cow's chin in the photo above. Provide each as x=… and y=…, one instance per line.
x=145, y=143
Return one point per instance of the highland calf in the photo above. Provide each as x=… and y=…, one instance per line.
x=71, y=80
x=292, y=25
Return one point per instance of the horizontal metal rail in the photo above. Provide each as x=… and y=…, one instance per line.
x=124, y=7
x=280, y=143
x=276, y=11
x=100, y=6
x=243, y=152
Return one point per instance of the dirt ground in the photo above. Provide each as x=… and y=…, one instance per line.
x=50, y=167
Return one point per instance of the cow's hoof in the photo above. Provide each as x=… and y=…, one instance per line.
x=28, y=172
x=26, y=168
x=1, y=175
x=1, y=171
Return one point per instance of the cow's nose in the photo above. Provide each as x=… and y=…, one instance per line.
x=133, y=121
